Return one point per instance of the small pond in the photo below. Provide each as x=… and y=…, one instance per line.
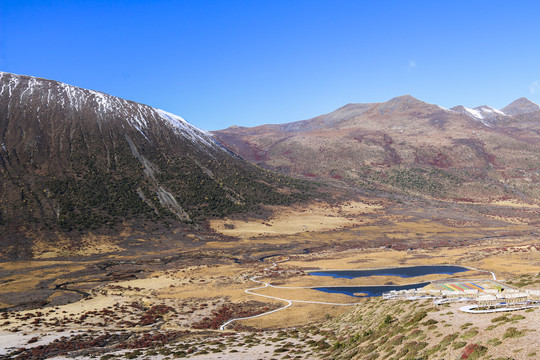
x=368, y=290
x=404, y=272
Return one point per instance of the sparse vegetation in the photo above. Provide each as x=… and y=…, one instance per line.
x=473, y=351
x=512, y=332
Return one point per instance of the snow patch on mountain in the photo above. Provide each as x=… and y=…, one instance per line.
x=484, y=114
x=183, y=127
x=139, y=116
x=489, y=110
x=10, y=84
x=474, y=113
x=443, y=108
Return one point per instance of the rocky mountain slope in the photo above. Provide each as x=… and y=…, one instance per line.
x=77, y=159
x=521, y=106
x=408, y=146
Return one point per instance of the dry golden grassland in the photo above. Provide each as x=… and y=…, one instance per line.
x=367, y=224
x=298, y=314
x=198, y=284
x=87, y=245
x=287, y=221
x=16, y=283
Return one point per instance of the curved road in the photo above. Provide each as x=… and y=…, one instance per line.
x=491, y=272
x=288, y=301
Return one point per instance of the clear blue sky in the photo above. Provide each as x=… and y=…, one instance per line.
x=220, y=63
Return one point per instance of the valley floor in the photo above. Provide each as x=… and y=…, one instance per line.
x=171, y=304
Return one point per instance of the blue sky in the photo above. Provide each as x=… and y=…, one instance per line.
x=222, y=63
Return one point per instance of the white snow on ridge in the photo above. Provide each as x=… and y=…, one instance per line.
x=105, y=106
x=490, y=110
x=180, y=125
x=136, y=114
x=443, y=108
x=475, y=113
x=485, y=114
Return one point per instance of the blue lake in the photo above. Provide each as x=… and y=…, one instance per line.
x=405, y=272
x=370, y=291
x=377, y=290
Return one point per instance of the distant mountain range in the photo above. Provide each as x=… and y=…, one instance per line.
x=407, y=146
x=75, y=159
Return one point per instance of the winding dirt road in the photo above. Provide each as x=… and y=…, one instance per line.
x=288, y=301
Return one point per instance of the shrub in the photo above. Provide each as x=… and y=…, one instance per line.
x=397, y=340
x=469, y=334
x=414, y=333
x=473, y=351
x=500, y=318
x=448, y=339
x=513, y=332
x=417, y=317
x=495, y=342
x=411, y=349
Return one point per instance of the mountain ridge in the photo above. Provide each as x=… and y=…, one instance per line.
x=521, y=106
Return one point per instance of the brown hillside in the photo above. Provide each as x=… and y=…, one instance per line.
x=404, y=145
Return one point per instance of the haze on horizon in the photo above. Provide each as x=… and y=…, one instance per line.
x=224, y=63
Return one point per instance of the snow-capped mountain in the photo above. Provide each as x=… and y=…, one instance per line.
x=76, y=159
x=54, y=96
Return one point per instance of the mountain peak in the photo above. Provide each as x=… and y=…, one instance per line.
x=404, y=98
x=521, y=106
x=402, y=103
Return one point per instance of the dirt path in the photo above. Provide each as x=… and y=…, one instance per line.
x=288, y=301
